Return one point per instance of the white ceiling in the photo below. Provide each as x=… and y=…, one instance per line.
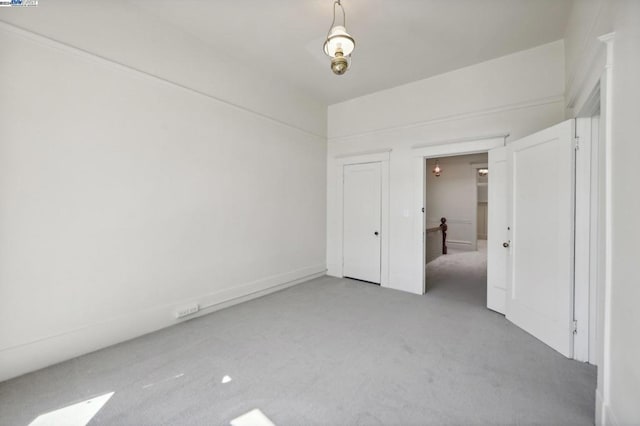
x=397, y=41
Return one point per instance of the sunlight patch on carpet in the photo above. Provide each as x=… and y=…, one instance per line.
x=78, y=414
x=254, y=417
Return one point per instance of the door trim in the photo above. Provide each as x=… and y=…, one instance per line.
x=383, y=158
x=584, y=282
x=476, y=145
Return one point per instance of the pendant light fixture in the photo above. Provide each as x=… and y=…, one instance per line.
x=339, y=44
x=437, y=170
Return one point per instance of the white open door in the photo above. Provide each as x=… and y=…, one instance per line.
x=362, y=211
x=497, y=233
x=541, y=182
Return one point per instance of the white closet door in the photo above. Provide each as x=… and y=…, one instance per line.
x=540, y=290
x=361, y=225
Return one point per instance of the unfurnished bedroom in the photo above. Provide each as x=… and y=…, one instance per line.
x=319, y=212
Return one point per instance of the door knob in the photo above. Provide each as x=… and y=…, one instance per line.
x=506, y=244
x=375, y=233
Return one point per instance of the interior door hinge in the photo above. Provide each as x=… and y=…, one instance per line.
x=576, y=143
x=574, y=327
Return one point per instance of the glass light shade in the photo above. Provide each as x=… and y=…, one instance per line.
x=339, y=38
x=437, y=170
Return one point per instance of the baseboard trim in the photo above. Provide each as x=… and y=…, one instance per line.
x=609, y=418
x=461, y=242
x=460, y=245
x=604, y=413
x=334, y=270
x=599, y=409
x=30, y=356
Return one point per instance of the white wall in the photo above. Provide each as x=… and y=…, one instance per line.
x=618, y=370
x=119, y=31
x=517, y=94
x=453, y=195
x=124, y=196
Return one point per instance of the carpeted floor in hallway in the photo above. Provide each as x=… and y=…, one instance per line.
x=459, y=276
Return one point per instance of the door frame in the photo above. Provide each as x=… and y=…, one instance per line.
x=585, y=220
x=590, y=99
x=450, y=148
x=382, y=157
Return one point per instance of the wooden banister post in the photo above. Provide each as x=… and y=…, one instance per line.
x=443, y=228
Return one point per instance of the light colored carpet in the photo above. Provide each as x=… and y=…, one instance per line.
x=460, y=276
x=329, y=351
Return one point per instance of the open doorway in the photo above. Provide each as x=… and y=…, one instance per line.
x=456, y=213
x=543, y=210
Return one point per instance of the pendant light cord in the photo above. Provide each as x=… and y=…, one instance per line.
x=344, y=16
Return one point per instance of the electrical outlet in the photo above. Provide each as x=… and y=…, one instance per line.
x=187, y=310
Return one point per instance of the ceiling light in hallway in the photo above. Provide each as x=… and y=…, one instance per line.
x=437, y=170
